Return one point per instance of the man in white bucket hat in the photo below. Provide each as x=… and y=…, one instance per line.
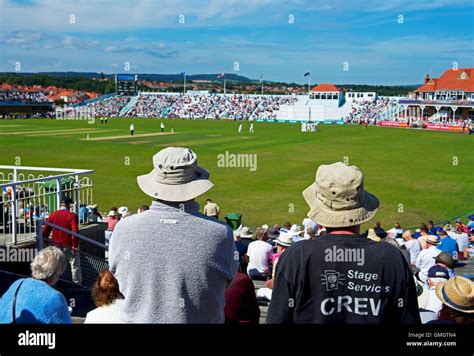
x=173, y=263
x=342, y=277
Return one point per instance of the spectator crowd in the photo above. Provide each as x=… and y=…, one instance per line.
x=170, y=263
x=15, y=96
x=192, y=106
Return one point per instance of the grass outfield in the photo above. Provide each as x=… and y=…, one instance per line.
x=409, y=167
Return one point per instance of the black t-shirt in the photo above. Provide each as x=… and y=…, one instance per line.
x=343, y=279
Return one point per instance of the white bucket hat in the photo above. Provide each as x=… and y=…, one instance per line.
x=295, y=230
x=337, y=197
x=285, y=239
x=176, y=176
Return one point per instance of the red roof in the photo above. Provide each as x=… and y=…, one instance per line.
x=461, y=79
x=325, y=88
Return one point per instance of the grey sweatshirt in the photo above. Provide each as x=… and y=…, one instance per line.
x=172, y=265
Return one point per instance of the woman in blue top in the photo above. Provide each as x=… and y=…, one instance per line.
x=36, y=300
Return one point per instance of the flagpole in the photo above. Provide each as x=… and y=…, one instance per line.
x=261, y=79
x=184, y=86
x=224, y=83
x=309, y=82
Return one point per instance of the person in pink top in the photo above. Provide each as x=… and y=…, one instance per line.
x=111, y=221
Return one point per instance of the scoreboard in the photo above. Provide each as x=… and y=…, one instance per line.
x=126, y=84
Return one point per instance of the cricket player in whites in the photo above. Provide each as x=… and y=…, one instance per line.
x=240, y=128
x=251, y=127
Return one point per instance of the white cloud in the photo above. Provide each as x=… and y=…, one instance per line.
x=22, y=38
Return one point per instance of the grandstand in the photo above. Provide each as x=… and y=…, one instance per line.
x=442, y=102
x=20, y=104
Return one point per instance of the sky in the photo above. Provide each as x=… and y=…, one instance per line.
x=386, y=42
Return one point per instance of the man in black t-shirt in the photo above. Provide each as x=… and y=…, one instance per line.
x=342, y=277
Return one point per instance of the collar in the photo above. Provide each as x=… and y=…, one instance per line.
x=188, y=206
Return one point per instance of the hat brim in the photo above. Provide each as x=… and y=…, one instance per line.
x=439, y=293
x=175, y=192
x=325, y=216
x=423, y=297
x=446, y=263
x=281, y=243
x=246, y=235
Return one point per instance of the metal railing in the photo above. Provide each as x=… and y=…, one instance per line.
x=90, y=265
x=29, y=193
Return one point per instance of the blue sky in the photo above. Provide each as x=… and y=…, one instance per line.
x=383, y=42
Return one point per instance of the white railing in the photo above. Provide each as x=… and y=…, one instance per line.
x=29, y=193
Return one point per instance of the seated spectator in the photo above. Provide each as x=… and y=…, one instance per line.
x=241, y=249
x=457, y=296
x=284, y=241
x=431, y=227
x=445, y=260
x=287, y=225
x=123, y=212
x=311, y=233
x=143, y=208
x=296, y=232
x=240, y=302
x=107, y=299
x=470, y=224
x=379, y=231
x=461, y=226
x=83, y=214
x=462, y=240
x=430, y=309
x=425, y=259
x=412, y=245
x=94, y=215
x=273, y=232
x=448, y=244
x=396, y=232
x=259, y=254
x=111, y=221
x=307, y=224
x=34, y=300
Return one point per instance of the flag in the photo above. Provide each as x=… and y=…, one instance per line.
x=221, y=75
x=306, y=74
x=261, y=78
x=182, y=73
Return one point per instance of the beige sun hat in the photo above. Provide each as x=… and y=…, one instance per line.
x=373, y=236
x=176, y=176
x=457, y=293
x=337, y=197
x=431, y=239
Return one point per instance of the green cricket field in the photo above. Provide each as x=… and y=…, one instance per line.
x=417, y=175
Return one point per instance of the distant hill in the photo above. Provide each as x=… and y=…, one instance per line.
x=141, y=76
x=83, y=81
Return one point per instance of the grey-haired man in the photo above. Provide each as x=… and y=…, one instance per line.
x=342, y=277
x=172, y=262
